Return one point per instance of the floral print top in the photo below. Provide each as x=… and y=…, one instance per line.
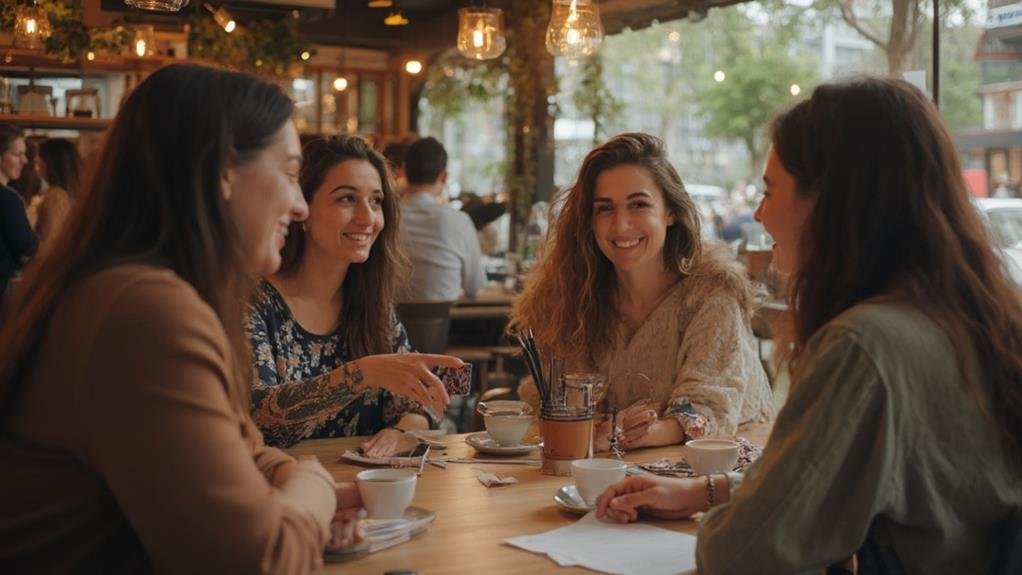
x=294, y=397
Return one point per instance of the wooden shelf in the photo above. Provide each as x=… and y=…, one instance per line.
x=33, y=121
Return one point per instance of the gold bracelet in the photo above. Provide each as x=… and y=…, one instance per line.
x=711, y=495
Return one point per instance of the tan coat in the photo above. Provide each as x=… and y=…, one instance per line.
x=127, y=452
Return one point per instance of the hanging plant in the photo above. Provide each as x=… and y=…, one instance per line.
x=69, y=38
x=594, y=99
x=453, y=81
x=271, y=47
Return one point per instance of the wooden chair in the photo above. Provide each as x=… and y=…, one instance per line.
x=427, y=323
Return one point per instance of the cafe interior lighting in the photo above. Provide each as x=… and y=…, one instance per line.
x=144, y=43
x=90, y=56
x=340, y=83
x=305, y=55
x=481, y=33
x=719, y=76
x=31, y=26
x=795, y=90
x=413, y=67
x=158, y=5
x=222, y=17
x=575, y=30
x=395, y=18
x=381, y=3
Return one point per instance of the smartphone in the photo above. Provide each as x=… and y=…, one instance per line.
x=456, y=380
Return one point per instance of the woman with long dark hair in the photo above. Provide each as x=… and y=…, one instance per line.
x=625, y=286
x=17, y=241
x=57, y=162
x=901, y=441
x=330, y=352
x=125, y=437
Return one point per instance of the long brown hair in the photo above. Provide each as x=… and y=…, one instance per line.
x=570, y=298
x=367, y=293
x=892, y=212
x=63, y=164
x=156, y=198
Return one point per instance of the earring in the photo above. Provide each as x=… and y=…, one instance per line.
x=302, y=226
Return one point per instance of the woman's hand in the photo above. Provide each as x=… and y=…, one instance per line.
x=636, y=423
x=388, y=442
x=663, y=497
x=404, y=374
x=346, y=527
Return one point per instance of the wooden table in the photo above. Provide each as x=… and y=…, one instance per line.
x=473, y=520
x=492, y=302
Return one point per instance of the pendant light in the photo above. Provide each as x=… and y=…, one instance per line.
x=31, y=26
x=158, y=5
x=575, y=30
x=481, y=33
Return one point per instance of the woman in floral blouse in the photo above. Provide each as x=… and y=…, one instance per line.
x=330, y=353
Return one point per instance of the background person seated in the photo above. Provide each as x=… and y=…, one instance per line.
x=441, y=242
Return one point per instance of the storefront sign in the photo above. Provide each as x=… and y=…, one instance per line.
x=1010, y=15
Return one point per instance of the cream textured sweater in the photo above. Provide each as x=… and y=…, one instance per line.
x=695, y=354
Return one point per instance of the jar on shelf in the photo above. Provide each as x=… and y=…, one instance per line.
x=83, y=103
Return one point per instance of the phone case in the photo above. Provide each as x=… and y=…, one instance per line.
x=457, y=380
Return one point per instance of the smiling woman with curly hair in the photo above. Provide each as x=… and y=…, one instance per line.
x=624, y=286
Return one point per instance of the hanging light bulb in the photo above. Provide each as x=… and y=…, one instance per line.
x=575, y=30
x=481, y=33
x=222, y=17
x=395, y=19
x=145, y=41
x=158, y=5
x=340, y=83
x=413, y=67
x=31, y=26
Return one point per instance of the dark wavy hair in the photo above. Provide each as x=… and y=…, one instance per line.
x=368, y=289
x=63, y=164
x=156, y=198
x=893, y=211
x=570, y=299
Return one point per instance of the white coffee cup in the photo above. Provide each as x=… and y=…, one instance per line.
x=707, y=456
x=386, y=493
x=507, y=430
x=594, y=476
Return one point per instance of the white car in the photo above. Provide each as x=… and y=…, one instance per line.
x=1004, y=217
x=710, y=202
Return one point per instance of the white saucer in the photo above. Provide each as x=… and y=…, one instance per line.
x=568, y=498
x=383, y=533
x=483, y=443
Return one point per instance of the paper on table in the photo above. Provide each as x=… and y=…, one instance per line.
x=491, y=480
x=610, y=547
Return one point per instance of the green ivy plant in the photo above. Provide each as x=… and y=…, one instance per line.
x=69, y=38
x=270, y=47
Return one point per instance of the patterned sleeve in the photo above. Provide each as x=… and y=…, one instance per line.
x=717, y=364
x=395, y=407
x=288, y=411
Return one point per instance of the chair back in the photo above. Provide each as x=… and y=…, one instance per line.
x=1008, y=560
x=427, y=324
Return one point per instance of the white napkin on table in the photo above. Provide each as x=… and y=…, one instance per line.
x=610, y=547
x=493, y=480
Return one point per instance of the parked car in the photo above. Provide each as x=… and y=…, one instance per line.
x=710, y=201
x=1004, y=218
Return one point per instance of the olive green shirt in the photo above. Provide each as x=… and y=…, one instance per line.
x=881, y=448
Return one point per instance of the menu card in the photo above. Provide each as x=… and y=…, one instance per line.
x=610, y=547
